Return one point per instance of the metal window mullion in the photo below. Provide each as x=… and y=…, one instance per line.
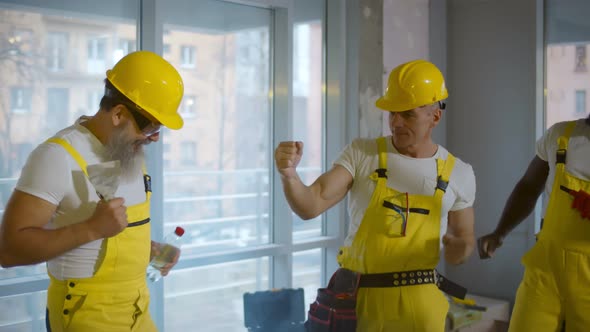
x=540, y=103
x=281, y=225
x=336, y=76
x=263, y=3
x=150, y=34
x=23, y=285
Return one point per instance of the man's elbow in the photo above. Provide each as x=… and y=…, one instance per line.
x=6, y=259
x=461, y=256
x=8, y=255
x=306, y=212
x=455, y=260
x=307, y=215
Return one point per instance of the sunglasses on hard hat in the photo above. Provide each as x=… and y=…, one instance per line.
x=145, y=125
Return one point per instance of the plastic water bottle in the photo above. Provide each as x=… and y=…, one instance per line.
x=168, y=250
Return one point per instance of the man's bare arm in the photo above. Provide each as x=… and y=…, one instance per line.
x=25, y=241
x=459, y=241
x=310, y=201
x=519, y=205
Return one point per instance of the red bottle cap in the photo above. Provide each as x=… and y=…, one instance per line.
x=179, y=231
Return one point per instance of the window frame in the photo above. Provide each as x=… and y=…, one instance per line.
x=189, y=111
x=188, y=55
x=580, y=102
x=580, y=59
x=25, y=103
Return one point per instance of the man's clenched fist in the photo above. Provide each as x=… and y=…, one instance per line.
x=287, y=157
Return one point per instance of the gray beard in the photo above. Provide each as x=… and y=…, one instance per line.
x=120, y=147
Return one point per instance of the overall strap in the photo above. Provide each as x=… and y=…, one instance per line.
x=562, y=143
x=70, y=149
x=444, y=169
x=381, y=172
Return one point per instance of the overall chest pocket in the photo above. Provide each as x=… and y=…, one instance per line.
x=396, y=212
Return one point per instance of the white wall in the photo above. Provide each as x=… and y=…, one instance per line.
x=413, y=29
x=493, y=75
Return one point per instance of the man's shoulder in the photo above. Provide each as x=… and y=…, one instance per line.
x=557, y=129
x=49, y=150
x=79, y=138
x=547, y=143
x=363, y=142
x=70, y=134
x=362, y=146
x=461, y=166
x=52, y=148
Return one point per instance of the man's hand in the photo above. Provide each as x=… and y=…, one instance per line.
x=287, y=157
x=456, y=247
x=459, y=241
x=109, y=218
x=488, y=244
x=155, y=251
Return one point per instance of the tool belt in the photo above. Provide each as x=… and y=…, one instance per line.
x=334, y=309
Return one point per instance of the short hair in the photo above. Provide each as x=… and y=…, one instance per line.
x=112, y=97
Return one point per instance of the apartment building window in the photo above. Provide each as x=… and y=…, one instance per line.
x=97, y=55
x=166, y=48
x=57, y=44
x=189, y=106
x=57, y=109
x=166, y=155
x=187, y=56
x=20, y=100
x=188, y=153
x=580, y=102
x=127, y=46
x=580, y=58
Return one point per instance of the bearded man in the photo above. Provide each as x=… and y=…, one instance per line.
x=97, y=247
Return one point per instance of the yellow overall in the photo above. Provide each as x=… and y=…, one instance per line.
x=556, y=282
x=375, y=250
x=116, y=298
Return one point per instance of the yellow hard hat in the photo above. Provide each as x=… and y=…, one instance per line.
x=152, y=83
x=411, y=85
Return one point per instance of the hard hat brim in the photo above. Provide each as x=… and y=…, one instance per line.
x=388, y=106
x=173, y=121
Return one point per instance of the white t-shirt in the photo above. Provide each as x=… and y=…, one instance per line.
x=405, y=174
x=578, y=153
x=50, y=173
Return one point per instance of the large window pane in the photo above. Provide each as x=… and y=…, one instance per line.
x=566, y=57
x=23, y=313
x=47, y=80
x=211, y=297
x=307, y=273
x=308, y=107
x=217, y=168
